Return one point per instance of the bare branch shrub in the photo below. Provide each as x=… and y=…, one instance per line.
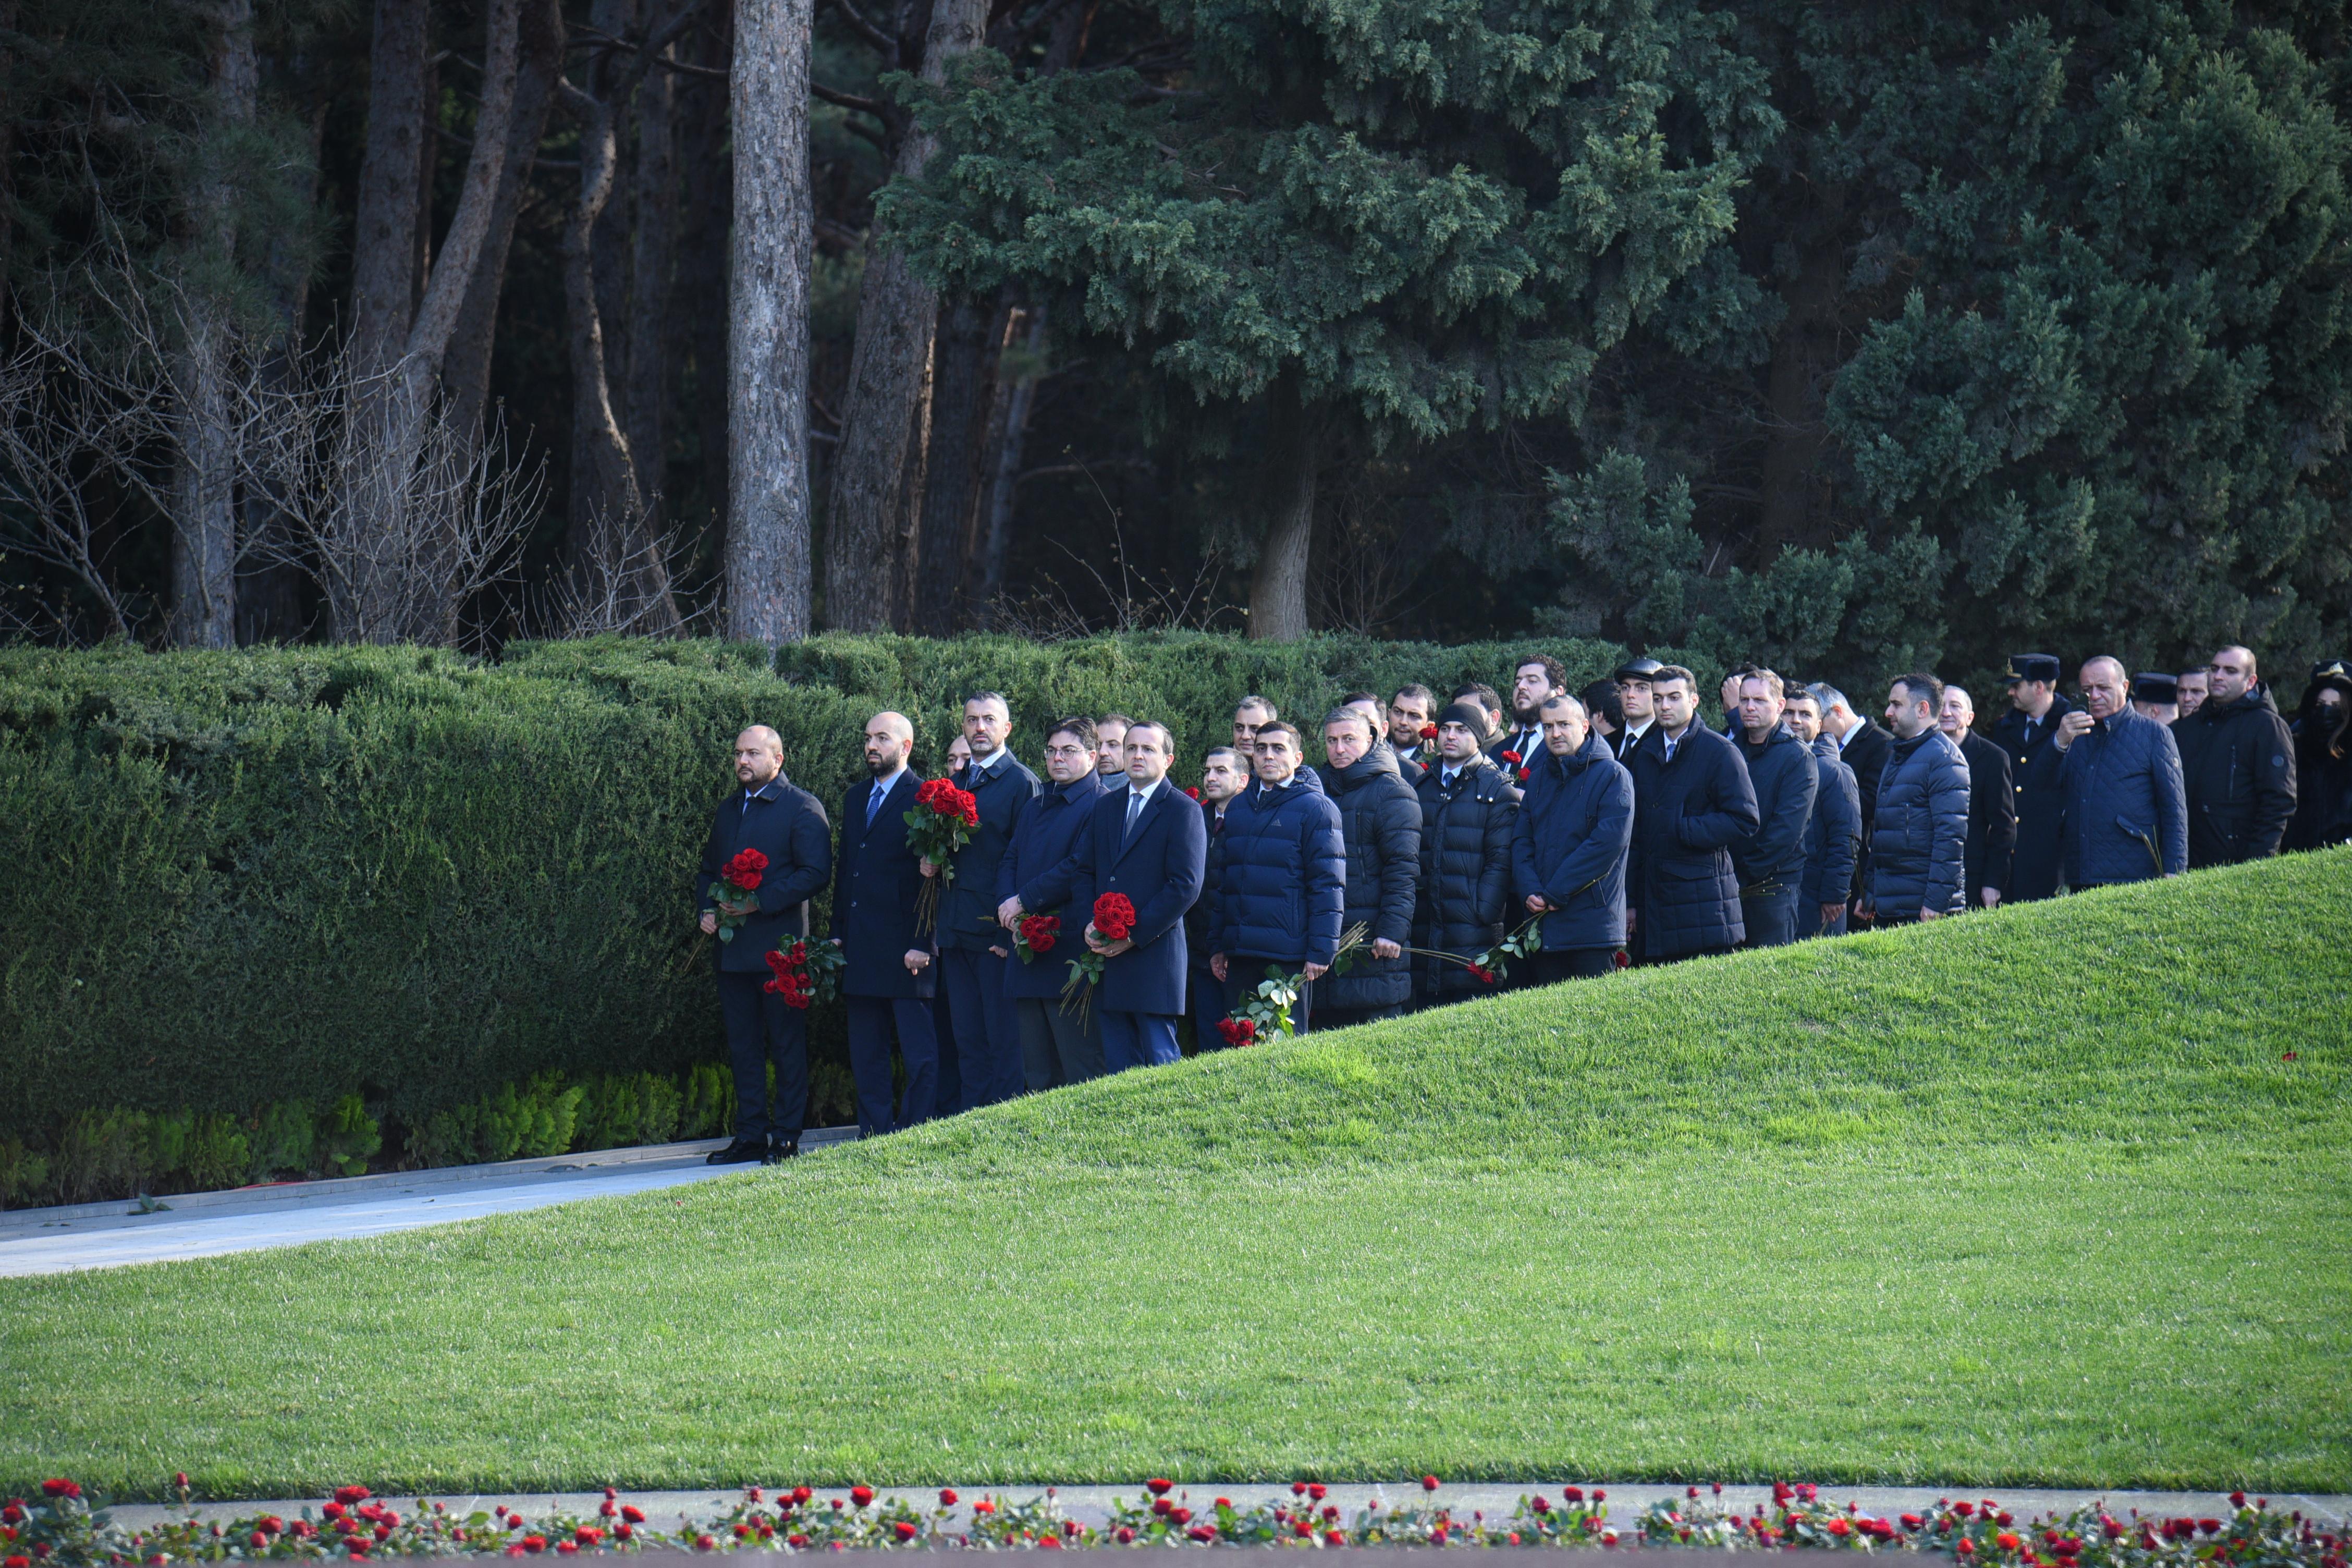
x=617, y=581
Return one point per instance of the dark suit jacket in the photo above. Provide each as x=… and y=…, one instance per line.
x=1159, y=868
x=873, y=887
x=785, y=824
x=1046, y=834
x=1992, y=818
x=967, y=910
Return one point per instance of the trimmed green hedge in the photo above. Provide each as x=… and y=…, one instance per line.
x=237, y=878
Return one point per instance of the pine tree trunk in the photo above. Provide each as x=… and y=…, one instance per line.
x=466, y=374
x=1009, y=442
x=962, y=386
x=1277, y=608
x=877, y=470
x=768, y=577
x=654, y=246
x=204, y=524
x=384, y=243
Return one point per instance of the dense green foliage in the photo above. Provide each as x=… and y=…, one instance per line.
x=2052, y=1195
x=296, y=874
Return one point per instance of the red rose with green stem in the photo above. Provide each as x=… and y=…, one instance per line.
x=1113, y=920
x=940, y=824
x=738, y=893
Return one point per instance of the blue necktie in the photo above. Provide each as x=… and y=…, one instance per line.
x=873, y=803
x=1134, y=810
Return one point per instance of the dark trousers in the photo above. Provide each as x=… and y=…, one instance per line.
x=1808, y=920
x=987, y=1035
x=761, y=1028
x=1244, y=975
x=1340, y=1017
x=1205, y=1000
x=1053, y=1049
x=1547, y=967
x=1138, y=1039
x=874, y=1022
x=1771, y=918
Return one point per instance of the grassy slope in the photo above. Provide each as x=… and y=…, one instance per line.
x=2030, y=1198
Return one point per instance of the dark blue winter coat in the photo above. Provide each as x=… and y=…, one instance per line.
x=1687, y=813
x=1159, y=867
x=875, y=884
x=1785, y=778
x=1046, y=834
x=2126, y=808
x=1379, y=825
x=1834, y=836
x=1282, y=875
x=967, y=908
x=1464, y=904
x=1573, y=835
x=1918, y=841
x=784, y=823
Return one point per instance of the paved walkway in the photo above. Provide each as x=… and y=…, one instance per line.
x=287, y=1213
x=1091, y=1505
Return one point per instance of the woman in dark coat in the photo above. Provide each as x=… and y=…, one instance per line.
x=2323, y=760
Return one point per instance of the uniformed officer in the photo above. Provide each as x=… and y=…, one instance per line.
x=2025, y=733
x=2157, y=695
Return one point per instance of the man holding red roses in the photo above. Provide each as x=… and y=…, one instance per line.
x=1057, y=1046
x=1146, y=844
x=770, y=850
x=973, y=953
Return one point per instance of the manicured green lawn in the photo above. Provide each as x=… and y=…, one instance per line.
x=2030, y=1197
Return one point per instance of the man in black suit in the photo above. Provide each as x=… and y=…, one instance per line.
x=1862, y=745
x=973, y=948
x=1633, y=679
x=1992, y=803
x=1533, y=680
x=787, y=826
x=887, y=980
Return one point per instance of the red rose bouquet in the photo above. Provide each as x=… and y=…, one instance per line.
x=940, y=824
x=1238, y=1031
x=801, y=974
x=1114, y=919
x=1034, y=936
x=737, y=895
x=1512, y=759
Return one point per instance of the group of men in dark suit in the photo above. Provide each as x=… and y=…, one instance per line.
x=1614, y=815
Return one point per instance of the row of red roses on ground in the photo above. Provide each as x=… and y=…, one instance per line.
x=63, y=1529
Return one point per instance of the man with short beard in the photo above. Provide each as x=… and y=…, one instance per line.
x=887, y=980
x=1834, y=836
x=1468, y=809
x=1283, y=885
x=974, y=948
x=1633, y=698
x=1993, y=801
x=1110, y=748
x=768, y=815
x=2237, y=760
x=1379, y=829
x=1057, y=1046
x=1919, y=839
x=1222, y=778
x=1408, y=714
x=1249, y=713
x=2126, y=808
x=1692, y=801
x=1533, y=678
x=1570, y=847
x=1771, y=861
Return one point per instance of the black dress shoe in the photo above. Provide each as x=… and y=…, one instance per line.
x=781, y=1150
x=736, y=1153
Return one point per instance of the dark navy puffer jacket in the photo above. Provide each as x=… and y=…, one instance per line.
x=1466, y=870
x=1834, y=836
x=1574, y=834
x=1379, y=823
x=1918, y=841
x=1687, y=813
x=2126, y=808
x=1785, y=779
x=1282, y=875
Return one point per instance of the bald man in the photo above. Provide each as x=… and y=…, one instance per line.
x=2238, y=758
x=2124, y=808
x=889, y=980
x=767, y=813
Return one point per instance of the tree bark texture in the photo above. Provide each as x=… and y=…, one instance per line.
x=1008, y=442
x=204, y=522
x=383, y=248
x=652, y=249
x=962, y=390
x=465, y=372
x=1278, y=609
x=877, y=474
x=768, y=576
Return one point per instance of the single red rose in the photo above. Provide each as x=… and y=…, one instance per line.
x=587, y=1535
x=1191, y=793
x=1203, y=1532
x=567, y=1548
x=2237, y=1500
x=796, y=1541
x=534, y=1543
x=1623, y=959
x=1126, y=1536
x=1512, y=759
x=1429, y=1483
x=1161, y=1506
x=632, y=1513
x=1181, y=1515
x=1340, y=1537
x=1572, y=1494
x=1523, y=774
x=983, y=1506
x=60, y=1487
x=706, y=1543
x=903, y=1530
x=1840, y=1527
x=947, y=1496
x=861, y=1496
x=2006, y=1540
x=1428, y=732
x=1538, y=1503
